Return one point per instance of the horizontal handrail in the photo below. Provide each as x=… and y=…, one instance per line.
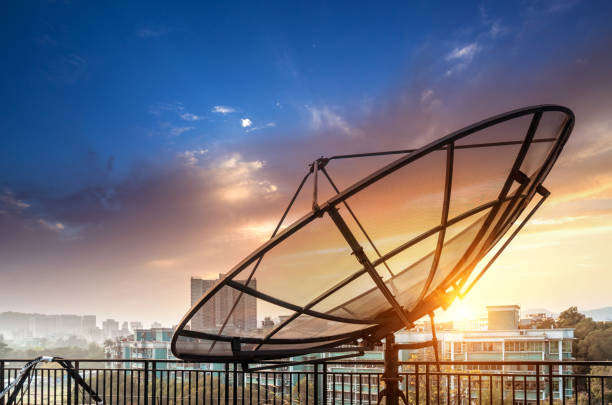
x=352, y=362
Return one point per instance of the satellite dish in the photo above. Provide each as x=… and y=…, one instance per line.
x=381, y=249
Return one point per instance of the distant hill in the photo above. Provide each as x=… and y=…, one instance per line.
x=599, y=314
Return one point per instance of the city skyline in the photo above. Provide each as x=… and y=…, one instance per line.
x=459, y=315
x=135, y=158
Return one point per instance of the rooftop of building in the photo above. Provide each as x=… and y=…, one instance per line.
x=503, y=307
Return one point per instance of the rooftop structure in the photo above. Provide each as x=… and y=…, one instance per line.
x=504, y=317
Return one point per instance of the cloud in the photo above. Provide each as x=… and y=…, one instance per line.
x=190, y=117
x=260, y=127
x=559, y=221
x=52, y=226
x=466, y=52
x=237, y=179
x=597, y=187
x=223, y=109
x=428, y=99
x=463, y=56
x=597, y=140
x=245, y=122
x=260, y=230
x=325, y=118
x=160, y=110
x=192, y=157
x=426, y=95
x=176, y=131
x=495, y=27
x=8, y=202
x=195, y=211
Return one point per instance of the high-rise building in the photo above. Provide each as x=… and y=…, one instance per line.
x=70, y=324
x=88, y=323
x=204, y=319
x=218, y=310
x=135, y=325
x=110, y=328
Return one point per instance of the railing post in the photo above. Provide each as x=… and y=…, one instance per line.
x=146, y=382
x=324, y=385
x=154, y=383
x=538, y=384
x=76, y=386
x=550, y=384
x=427, y=383
x=69, y=386
x=235, y=384
x=227, y=383
x=1, y=380
x=316, y=384
x=416, y=382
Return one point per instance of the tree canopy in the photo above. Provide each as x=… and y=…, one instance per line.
x=593, y=339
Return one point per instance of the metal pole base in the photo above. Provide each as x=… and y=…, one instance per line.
x=391, y=377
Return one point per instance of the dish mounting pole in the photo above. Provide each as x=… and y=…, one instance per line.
x=391, y=376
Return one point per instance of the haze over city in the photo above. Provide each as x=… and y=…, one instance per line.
x=136, y=157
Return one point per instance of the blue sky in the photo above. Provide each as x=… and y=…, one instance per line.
x=115, y=80
x=120, y=121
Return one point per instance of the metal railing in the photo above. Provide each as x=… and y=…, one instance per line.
x=158, y=382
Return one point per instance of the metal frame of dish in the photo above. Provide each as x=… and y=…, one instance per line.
x=454, y=284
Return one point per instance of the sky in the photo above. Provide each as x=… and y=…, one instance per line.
x=145, y=143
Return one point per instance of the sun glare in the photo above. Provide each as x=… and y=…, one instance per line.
x=460, y=311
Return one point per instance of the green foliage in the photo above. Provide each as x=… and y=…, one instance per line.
x=584, y=327
x=597, y=345
x=4, y=349
x=593, y=339
x=92, y=351
x=569, y=318
x=547, y=323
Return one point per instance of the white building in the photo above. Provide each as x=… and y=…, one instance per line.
x=504, y=341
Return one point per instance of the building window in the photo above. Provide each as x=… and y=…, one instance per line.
x=554, y=347
x=485, y=347
x=567, y=346
x=524, y=346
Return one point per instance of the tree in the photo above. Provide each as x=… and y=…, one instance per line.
x=4, y=349
x=593, y=339
x=570, y=318
x=547, y=323
x=597, y=345
x=596, y=389
x=584, y=327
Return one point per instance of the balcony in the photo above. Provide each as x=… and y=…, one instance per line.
x=335, y=383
